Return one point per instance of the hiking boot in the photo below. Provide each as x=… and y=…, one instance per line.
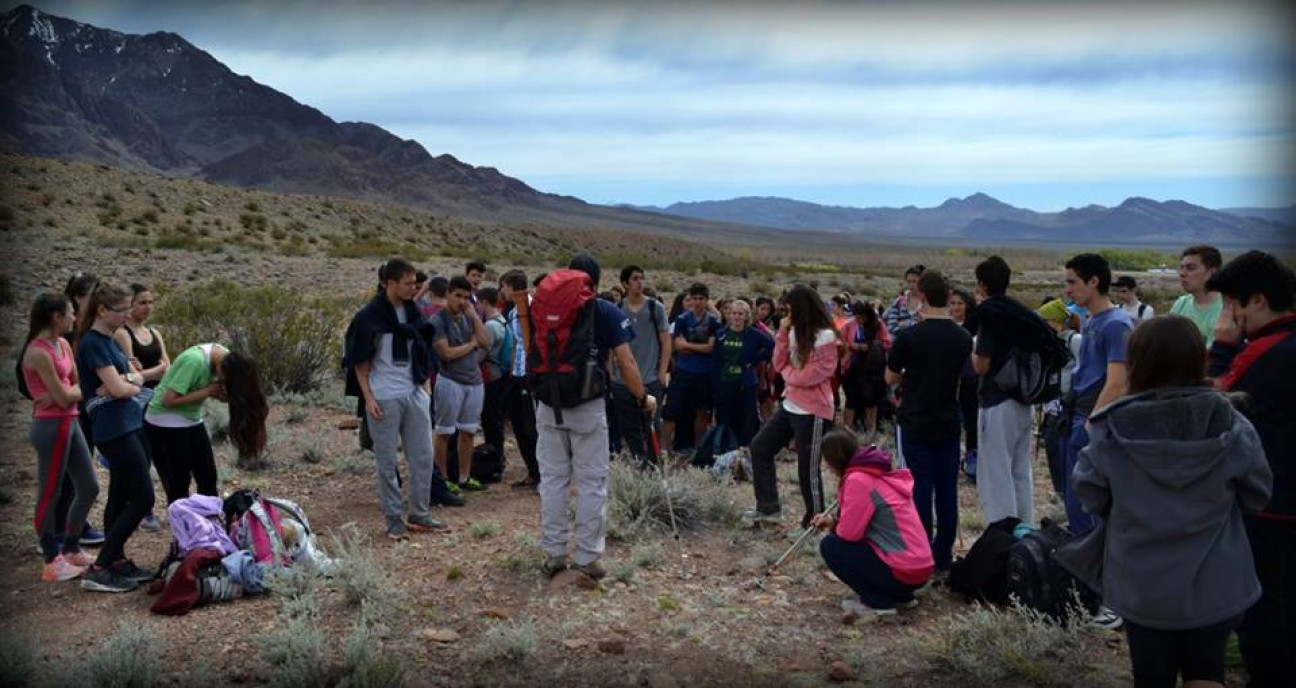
x=105, y=579
x=425, y=524
x=396, y=529
x=593, y=569
x=60, y=569
x=756, y=516
x=555, y=564
x=1106, y=618
x=90, y=537
x=471, y=485
x=127, y=569
x=150, y=524
x=863, y=612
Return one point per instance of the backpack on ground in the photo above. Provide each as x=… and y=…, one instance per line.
x=255, y=526
x=563, y=360
x=1038, y=581
x=715, y=442
x=982, y=574
x=487, y=464
x=735, y=464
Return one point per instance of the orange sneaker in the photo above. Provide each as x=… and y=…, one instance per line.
x=60, y=569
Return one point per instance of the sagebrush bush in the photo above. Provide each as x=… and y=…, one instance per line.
x=637, y=502
x=511, y=643
x=297, y=653
x=485, y=529
x=990, y=646
x=295, y=340
x=17, y=661
x=364, y=579
x=523, y=556
x=128, y=659
x=366, y=663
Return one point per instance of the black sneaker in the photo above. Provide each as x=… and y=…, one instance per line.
x=445, y=497
x=127, y=569
x=103, y=579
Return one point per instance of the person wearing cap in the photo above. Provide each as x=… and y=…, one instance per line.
x=575, y=449
x=1255, y=352
x=1124, y=291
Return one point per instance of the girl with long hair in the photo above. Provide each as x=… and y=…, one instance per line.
x=114, y=397
x=61, y=451
x=174, y=422
x=147, y=352
x=805, y=355
x=864, y=366
x=77, y=290
x=1170, y=469
x=739, y=348
x=877, y=544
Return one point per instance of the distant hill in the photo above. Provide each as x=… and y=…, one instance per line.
x=156, y=103
x=1282, y=215
x=981, y=217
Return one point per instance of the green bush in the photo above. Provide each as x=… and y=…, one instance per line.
x=1136, y=259
x=296, y=340
x=509, y=644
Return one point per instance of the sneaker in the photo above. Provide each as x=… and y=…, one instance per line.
x=906, y=606
x=91, y=537
x=555, y=564
x=452, y=487
x=593, y=569
x=78, y=558
x=150, y=524
x=425, y=524
x=127, y=569
x=60, y=569
x=527, y=483
x=105, y=579
x=757, y=516
x=445, y=497
x=396, y=529
x=1106, y=618
x=863, y=612
x=471, y=485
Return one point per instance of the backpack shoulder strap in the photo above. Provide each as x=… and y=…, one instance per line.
x=1142, y=309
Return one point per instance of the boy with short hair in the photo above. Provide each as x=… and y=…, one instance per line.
x=494, y=367
x=460, y=393
x=1124, y=291
x=518, y=403
x=688, y=398
x=1197, y=265
x=651, y=347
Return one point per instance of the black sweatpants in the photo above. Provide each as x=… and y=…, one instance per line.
x=493, y=413
x=858, y=566
x=782, y=427
x=520, y=409
x=1267, y=636
x=130, y=492
x=630, y=421
x=967, y=399
x=182, y=455
x=1159, y=656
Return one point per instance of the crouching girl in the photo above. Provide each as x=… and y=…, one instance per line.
x=877, y=546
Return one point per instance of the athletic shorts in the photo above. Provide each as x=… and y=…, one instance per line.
x=458, y=406
x=687, y=394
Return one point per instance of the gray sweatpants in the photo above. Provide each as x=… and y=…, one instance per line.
x=576, y=451
x=1003, y=478
x=405, y=421
x=60, y=448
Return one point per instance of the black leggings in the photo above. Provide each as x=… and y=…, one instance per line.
x=130, y=492
x=1159, y=656
x=808, y=431
x=181, y=454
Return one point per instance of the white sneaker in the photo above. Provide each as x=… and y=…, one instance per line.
x=863, y=612
x=1106, y=618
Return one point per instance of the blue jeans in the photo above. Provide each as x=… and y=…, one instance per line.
x=934, y=465
x=859, y=567
x=1078, y=521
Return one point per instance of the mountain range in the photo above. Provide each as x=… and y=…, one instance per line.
x=980, y=217
x=158, y=103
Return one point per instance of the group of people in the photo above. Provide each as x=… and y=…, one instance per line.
x=100, y=377
x=1180, y=496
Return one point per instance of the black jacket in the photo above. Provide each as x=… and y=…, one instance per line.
x=1265, y=368
x=378, y=318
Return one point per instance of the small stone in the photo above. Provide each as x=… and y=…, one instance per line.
x=612, y=647
x=494, y=614
x=440, y=635
x=790, y=667
x=351, y=423
x=840, y=671
x=575, y=643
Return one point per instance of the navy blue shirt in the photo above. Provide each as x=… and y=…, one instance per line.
x=612, y=328
x=109, y=418
x=1105, y=337
x=696, y=331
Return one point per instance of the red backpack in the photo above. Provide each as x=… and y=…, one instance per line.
x=562, y=359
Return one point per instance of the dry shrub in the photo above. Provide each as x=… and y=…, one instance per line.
x=129, y=659
x=637, y=502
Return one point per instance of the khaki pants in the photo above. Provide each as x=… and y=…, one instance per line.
x=574, y=452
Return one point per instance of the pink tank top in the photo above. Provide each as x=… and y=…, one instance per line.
x=62, y=368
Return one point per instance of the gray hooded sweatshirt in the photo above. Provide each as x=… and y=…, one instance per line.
x=1170, y=472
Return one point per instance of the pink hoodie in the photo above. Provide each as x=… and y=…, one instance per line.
x=810, y=386
x=877, y=507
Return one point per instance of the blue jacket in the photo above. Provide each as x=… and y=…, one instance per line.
x=756, y=347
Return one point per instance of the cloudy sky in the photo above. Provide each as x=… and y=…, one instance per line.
x=1041, y=104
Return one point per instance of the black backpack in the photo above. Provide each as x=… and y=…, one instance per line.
x=1037, y=580
x=1034, y=376
x=717, y=441
x=982, y=574
x=487, y=464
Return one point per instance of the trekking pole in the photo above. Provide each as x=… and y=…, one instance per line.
x=656, y=449
x=806, y=534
